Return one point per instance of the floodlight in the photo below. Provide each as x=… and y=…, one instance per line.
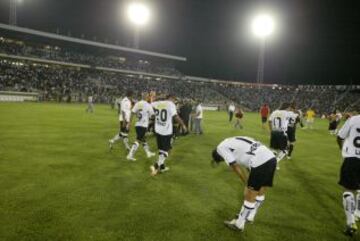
x=138, y=13
x=263, y=26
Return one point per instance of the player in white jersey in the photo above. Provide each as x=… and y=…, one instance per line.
x=278, y=123
x=293, y=119
x=124, y=118
x=165, y=112
x=349, y=142
x=143, y=111
x=90, y=107
x=241, y=154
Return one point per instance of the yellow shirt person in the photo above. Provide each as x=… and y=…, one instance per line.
x=310, y=117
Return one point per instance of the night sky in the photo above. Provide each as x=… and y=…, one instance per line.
x=316, y=41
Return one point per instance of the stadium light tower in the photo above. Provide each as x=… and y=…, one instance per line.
x=139, y=15
x=13, y=11
x=262, y=27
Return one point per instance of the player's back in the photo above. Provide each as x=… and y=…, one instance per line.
x=246, y=150
x=143, y=111
x=292, y=119
x=351, y=133
x=279, y=120
x=164, y=110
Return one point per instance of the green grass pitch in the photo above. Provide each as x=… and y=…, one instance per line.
x=59, y=182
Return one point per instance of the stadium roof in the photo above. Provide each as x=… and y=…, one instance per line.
x=88, y=42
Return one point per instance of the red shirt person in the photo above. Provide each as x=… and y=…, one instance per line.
x=264, y=112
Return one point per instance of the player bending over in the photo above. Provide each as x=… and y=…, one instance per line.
x=124, y=118
x=261, y=163
x=278, y=124
x=143, y=110
x=349, y=141
x=165, y=112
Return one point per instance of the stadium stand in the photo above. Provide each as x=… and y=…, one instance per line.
x=70, y=69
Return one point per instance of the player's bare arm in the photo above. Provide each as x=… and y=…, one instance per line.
x=340, y=142
x=181, y=122
x=240, y=172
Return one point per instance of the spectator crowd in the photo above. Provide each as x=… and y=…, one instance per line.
x=56, y=82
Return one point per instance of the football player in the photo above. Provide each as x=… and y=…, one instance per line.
x=260, y=163
x=165, y=112
x=124, y=118
x=349, y=142
x=143, y=111
x=278, y=124
x=293, y=119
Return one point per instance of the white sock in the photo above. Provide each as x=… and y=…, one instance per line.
x=349, y=207
x=357, y=209
x=126, y=141
x=259, y=201
x=162, y=158
x=246, y=209
x=281, y=155
x=134, y=148
x=146, y=147
x=116, y=138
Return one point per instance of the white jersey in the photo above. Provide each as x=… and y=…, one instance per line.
x=199, y=112
x=90, y=99
x=350, y=132
x=279, y=120
x=231, y=108
x=244, y=151
x=125, y=109
x=292, y=118
x=164, y=112
x=143, y=111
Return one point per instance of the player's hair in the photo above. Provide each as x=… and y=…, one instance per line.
x=216, y=156
x=293, y=105
x=170, y=96
x=284, y=106
x=129, y=93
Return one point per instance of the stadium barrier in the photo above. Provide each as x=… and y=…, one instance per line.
x=10, y=96
x=211, y=107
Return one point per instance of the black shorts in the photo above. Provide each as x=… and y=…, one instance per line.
x=262, y=176
x=140, y=133
x=163, y=142
x=263, y=120
x=350, y=173
x=278, y=140
x=123, y=128
x=333, y=125
x=291, y=134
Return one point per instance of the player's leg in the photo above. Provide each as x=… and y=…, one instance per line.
x=291, y=149
x=246, y=209
x=164, y=145
x=260, y=198
x=200, y=127
x=262, y=177
x=357, y=206
x=292, y=140
x=116, y=138
x=282, y=146
x=135, y=145
x=348, y=179
x=196, y=122
x=141, y=137
x=125, y=135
